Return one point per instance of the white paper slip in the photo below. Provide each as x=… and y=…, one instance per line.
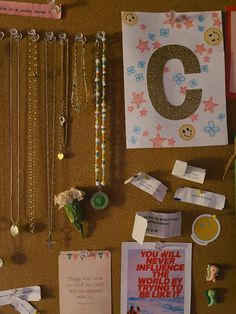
x=161, y=225
x=199, y=197
x=18, y=298
x=149, y=184
x=184, y=171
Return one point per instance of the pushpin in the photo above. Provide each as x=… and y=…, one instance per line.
x=1, y=262
x=212, y=272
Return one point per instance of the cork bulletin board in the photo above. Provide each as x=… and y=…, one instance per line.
x=27, y=260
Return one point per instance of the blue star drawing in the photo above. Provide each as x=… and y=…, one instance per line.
x=133, y=140
x=165, y=32
x=179, y=78
x=151, y=36
x=221, y=116
x=139, y=77
x=141, y=64
x=193, y=83
x=201, y=28
x=201, y=18
x=204, y=68
x=137, y=129
x=131, y=70
x=211, y=129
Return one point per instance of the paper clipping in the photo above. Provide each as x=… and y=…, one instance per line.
x=160, y=225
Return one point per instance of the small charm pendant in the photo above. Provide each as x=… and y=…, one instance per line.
x=14, y=231
x=50, y=241
x=99, y=200
x=60, y=156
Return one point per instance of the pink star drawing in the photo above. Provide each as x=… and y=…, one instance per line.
x=143, y=112
x=165, y=69
x=170, y=19
x=156, y=45
x=188, y=23
x=206, y=59
x=157, y=141
x=143, y=27
x=145, y=133
x=183, y=90
x=209, y=50
x=138, y=99
x=130, y=108
x=178, y=25
x=214, y=15
x=171, y=141
x=217, y=22
x=143, y=45
x=159, y=127
x=194, y=117
x=200, y=49
x=210, y=105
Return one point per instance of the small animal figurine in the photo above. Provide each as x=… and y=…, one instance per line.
x=212, y=272
x=211, y=297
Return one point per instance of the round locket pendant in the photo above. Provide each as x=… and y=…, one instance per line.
x=99, y=200
x=14, y=231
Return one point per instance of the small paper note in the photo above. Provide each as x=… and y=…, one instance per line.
x=161, y=225
x=85, y=282
x=199, y=197
x=18, y=298
x=149, y=184
x=28, y=9
x=184, y=171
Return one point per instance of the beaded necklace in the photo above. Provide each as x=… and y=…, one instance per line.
x=100, y=200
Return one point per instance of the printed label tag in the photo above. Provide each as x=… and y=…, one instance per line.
x=199, y=197
x=183, y=171
x=149, y=184
x=28, y=9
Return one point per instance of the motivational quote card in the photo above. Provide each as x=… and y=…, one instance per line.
x=85, y=282
x=156, y=280
x=174, y=79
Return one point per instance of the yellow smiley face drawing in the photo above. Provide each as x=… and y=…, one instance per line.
x=130, y=18
x=213, y=36
x=187, y=132
x=205, y=229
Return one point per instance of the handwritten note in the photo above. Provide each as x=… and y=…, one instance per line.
x=85, y=282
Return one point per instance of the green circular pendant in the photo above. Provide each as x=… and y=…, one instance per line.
x=99, y=200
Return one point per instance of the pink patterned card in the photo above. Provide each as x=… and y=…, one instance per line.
x=85, y=282
x=28, y=9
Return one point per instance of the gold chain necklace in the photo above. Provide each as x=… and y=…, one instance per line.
x=50, y=105
x=33, y=85
x=79, y=94
x=64, y=109
x=14, y=86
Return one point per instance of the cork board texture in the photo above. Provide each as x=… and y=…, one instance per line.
x=27, y=260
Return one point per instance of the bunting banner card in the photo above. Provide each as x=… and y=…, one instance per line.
x=174, y=79
x=85, y=282
x=156, y=279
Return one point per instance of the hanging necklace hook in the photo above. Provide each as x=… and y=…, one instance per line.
x=15, y=34
x=33, y=35
x=63, y=38
x=1, y=35
x=50, y=37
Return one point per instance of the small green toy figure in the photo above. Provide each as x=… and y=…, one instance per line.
x=211, y=297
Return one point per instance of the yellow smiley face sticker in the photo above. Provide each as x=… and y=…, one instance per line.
x=213, y=36
x=130, y=18
x=205, y=229
x=187, y=132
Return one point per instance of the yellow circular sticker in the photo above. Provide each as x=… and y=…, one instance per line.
x=205, y=229
x=213, y=36
x=130, y=18
x=187, y=132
